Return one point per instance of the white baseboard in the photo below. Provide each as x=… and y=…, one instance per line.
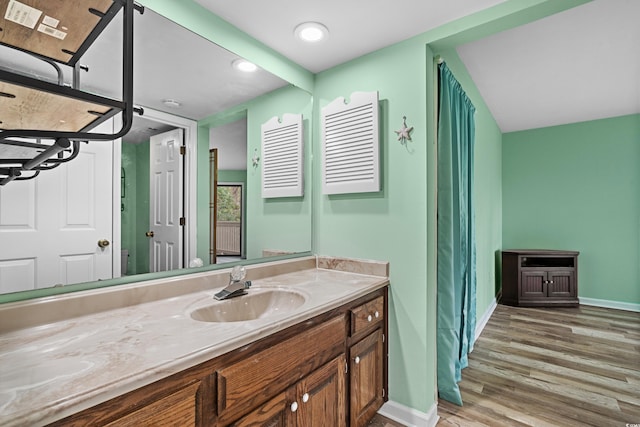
x=408, y=416
x=610, y=304
x=482, y=322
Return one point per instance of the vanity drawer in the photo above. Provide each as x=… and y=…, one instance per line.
x=366, y=315
x=252, y=381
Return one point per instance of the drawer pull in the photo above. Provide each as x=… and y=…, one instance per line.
x=305, y=397
x=357, y=360
x=294, y=406
x=377, y=314
x=369, y=318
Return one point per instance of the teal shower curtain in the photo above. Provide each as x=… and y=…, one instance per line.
x=456, y=308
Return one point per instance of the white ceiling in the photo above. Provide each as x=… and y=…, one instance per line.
x=578, y=65
x=171, y=62
x=581, y=64
x=356, y=27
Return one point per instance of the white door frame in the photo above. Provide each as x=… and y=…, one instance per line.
x=190, y=183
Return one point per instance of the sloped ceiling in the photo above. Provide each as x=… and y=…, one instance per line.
x=580, y=64
x=577, y=65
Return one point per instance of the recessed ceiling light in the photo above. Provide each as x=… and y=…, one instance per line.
x=244, y=65
x=311, y=32
x=171, y=103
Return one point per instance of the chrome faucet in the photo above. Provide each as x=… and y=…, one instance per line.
x=237, y=285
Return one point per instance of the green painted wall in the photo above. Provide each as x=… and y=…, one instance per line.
x=391, y=224
x=129, y=204
x=135, y=216
x=278, y=223
x=394, y=224
x=576, y=187
x=203, y=228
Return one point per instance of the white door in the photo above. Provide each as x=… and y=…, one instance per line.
x=50, y=225
x=166, y=194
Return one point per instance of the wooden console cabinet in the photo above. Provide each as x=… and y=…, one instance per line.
x=540, y=278
x=330, y=370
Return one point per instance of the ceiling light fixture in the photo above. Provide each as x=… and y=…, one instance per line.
x=171, y=103
x=244, y=65
x=311, y=32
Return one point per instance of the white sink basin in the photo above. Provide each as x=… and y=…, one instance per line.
x=257, y=304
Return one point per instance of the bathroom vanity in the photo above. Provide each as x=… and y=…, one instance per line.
x=317, y=351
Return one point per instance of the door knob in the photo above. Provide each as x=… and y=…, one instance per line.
x=103, y=243
x=149, y=234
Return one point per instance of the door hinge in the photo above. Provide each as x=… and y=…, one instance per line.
x=346, y=368
x=384, y=392
x=383, y=338
x=183, y=221
x=183, y=150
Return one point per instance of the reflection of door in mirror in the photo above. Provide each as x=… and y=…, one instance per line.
x=138, y=232
x=56, y=228
x=166, y=220
x=229, y=208
x=213, y=191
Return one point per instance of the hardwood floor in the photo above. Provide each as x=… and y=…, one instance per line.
x=552, y=367
x=380, y=421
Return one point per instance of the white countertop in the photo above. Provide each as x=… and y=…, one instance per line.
x=51, y=371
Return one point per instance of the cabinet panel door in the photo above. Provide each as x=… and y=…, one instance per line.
x=321, y=396
x=177, y=409
x=533, y=284
x=274, y=413
x=250, y=382
x=561, y=284
x=367, y=389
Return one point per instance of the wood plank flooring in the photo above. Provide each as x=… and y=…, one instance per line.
x=380, y=421
x=551, y=367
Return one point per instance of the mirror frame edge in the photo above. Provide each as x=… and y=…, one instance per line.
x=88, y=286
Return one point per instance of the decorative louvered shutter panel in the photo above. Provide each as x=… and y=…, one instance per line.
x=350, y=145
x=282, y=154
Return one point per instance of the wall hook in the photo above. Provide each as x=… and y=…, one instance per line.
x=404, y=133
x=255, y=159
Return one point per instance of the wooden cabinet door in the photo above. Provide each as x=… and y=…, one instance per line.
x=533, y=284
x=274, y=413
x=321, y=396
x=177, y=409
x=561, y=283
x=367, y=389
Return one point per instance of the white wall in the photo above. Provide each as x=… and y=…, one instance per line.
x=231, y=141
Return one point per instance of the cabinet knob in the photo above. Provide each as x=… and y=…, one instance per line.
x=357, y=360
x=305, y=398
x=551, y=281
x=369, y=318
x=294, y=406
x=377, y=314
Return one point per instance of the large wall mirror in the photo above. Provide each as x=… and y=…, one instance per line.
x=192, y=95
